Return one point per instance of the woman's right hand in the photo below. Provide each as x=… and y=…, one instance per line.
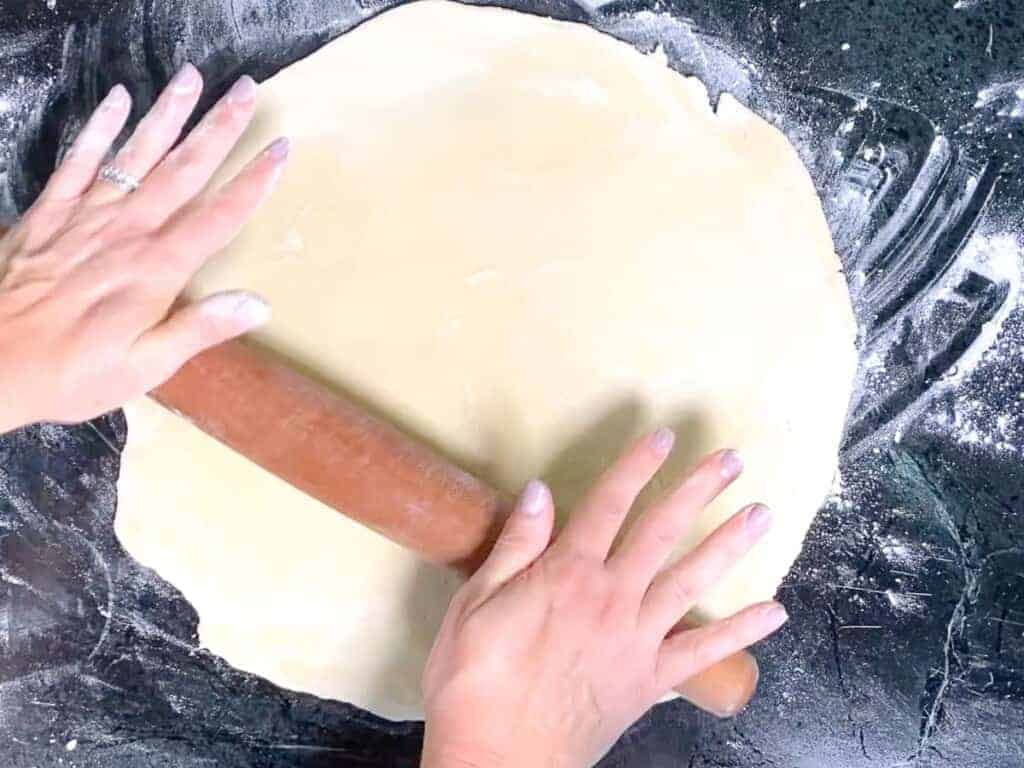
x=552, y=649
x=91, y=275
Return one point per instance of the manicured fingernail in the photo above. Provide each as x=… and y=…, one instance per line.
x=662, y=441
x=775, y=614
x=250, y=309
x=243, y=91
x=731, y=464
x=116, y=99
x=253, y=310
x=185, y=81
x=535, y=497
x=759, y=518
x=279, y=149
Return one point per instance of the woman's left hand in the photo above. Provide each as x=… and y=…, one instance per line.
x=90, y=276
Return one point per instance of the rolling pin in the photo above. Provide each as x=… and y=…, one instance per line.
x=333, y=450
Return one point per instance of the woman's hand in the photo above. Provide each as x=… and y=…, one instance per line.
x=89, y=276
x=548, y=653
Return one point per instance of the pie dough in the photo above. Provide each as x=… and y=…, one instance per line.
x=525, y=242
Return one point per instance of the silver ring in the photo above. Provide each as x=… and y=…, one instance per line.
x=124, y=181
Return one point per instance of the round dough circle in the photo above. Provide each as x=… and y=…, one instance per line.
x=525, y=242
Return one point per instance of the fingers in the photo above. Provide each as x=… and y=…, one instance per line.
x=596, y=521
x=524, y=538
x=161, y=351
x=188, y=169
x=675, y=590
x=155, y=134
x=208, y=225
x=656, y=535
x=77, y=171
x=691, y=651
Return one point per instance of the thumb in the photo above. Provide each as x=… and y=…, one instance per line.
x=194, y=328
x=524, y=538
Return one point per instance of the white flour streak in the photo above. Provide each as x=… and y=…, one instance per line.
x=997, y=257
x=902, y=602
x=972, y=424
x=1006, y=97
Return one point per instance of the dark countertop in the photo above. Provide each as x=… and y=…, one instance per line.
x=906, y=643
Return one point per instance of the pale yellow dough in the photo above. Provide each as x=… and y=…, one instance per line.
x=526, y=242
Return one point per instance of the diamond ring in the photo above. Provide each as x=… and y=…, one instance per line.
x=124, y=181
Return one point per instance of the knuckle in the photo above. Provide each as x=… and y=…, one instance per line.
x=129, y=227
x=694, y=658
x=606, y=505
x=130, y=150
x=143, y=221
x=665, y=536
x=159, y=122
x=198, y=135
x=152, y=260
x=36, y=216
x=216, y=220
x=82, y=230
x=574, y=569
x=225, y=219
x=575, y=579
x=619, y=499
x=734, y=544
x=608, y=501
x=679, y=587
x=207, y=327
x=611, y=609
x=693, y=489
x=513, y=541
x=225, y=115
x=184, y=161
x=76, y=156
x=686, y=659
x=109, y=275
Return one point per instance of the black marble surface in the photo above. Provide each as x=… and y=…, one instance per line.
x=906, y=643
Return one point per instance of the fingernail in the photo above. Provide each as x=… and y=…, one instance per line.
x=243, y=91
x=731, y=464
x=253, y=310
x=775, y=614
x=250, y=309
x=759, y=518
x=662, y=441
x=534, y=498
x=117, y=98
x=279, y=149
x=185, y=81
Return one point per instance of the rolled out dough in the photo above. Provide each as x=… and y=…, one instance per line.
x=526, y=242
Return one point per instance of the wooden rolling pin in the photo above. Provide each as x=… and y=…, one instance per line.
x=333, y=450
x=330, y=448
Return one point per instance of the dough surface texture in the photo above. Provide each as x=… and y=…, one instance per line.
x=527, y=243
